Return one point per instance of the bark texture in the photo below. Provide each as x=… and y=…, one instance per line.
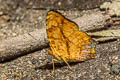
x=23, y=44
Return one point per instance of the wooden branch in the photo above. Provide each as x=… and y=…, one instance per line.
x=23, y=44
x=92, y=21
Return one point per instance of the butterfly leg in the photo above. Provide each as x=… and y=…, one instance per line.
x=67, y=63
x=53, y=60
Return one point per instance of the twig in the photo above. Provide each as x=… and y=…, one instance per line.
x=106, y=33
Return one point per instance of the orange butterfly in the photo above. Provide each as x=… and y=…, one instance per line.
x=66, y=41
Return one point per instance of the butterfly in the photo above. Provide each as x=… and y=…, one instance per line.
x=67, y=42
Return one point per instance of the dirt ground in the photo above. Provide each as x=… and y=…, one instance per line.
x=16, y=20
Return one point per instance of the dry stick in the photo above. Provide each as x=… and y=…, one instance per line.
x=103, y=39
x=106, y=35
x=23, y=44
x=93, y=21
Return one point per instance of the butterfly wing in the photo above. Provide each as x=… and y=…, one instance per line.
x=66, y=40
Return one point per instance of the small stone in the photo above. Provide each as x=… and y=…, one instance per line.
x=116, y=68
